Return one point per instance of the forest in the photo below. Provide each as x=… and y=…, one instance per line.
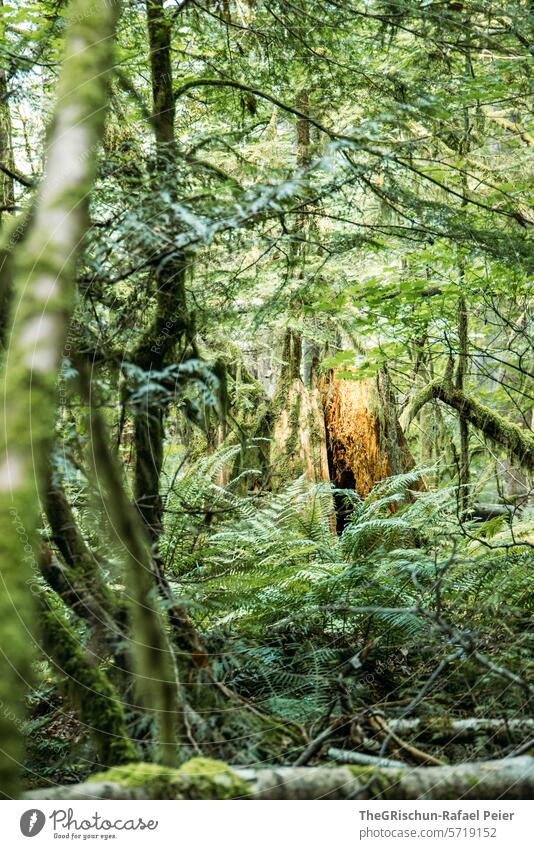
x=266, y=441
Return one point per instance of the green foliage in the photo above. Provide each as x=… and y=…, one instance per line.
x=348, y=173
x=271, y=565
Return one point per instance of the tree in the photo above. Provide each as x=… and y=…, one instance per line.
x=270, y=321
x=43, y=281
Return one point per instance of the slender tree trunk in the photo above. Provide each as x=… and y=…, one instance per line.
x=463, y=346
x=7, y=192
x=170, y=331
x=44, y=278
x=463, y=471
x=7, y=196
x=299, y=432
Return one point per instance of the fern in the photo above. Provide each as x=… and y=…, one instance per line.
x=270, y=574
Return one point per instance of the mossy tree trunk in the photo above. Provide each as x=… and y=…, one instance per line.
x=8, y=233
x=7, y=193
x=299, y=432
x=78, y=578
x=89, y=688
x=167, y=339
x=44, y=270
x=169, y=332
x=157, y=677
x=463, y=466
x=299, y=437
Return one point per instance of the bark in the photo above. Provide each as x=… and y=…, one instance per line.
x=170, y=327
x=7, y=165
x=485, y=511
x=159, y=36
x=504, y=779
x=12, y=234
x=363, y=759
x=496, y=428
x=44, y=271
x=303, y=128
x=463, y=470
x=153, y=656
x=12, y=230
x=463, y=729
x=90, y=689
x=299, y=444
x=365, y=441
x=166, y=339
x=299, y=431
x=80, y=582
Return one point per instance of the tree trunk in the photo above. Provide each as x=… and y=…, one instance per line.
x=463, y=340
x=299, y=431
x=442, y=728
x=89, y=687
x=80, y=581
x=299, y=438
x=365, y=441
x=170, y=328
x=44, y=277
x=504, y=779
x=154, y=658
x=7, y=193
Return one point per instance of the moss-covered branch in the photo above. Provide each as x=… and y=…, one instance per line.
x=90, y=690
x=82, y=585
x=154, y=658
x=517, y=442
x=43, y=288
x=201, y=778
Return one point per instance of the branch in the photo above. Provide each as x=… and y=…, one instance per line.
x=493, y=426
x=439, y=727
x=203, y=82
x=511, y=778
x=16, y=175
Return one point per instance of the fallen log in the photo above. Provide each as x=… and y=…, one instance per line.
x=438, y=728
x=344, y=756
x=202, y=778
x=484, y=512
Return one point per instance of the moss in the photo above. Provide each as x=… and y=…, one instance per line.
x=199, y=778
x=380, y=783
x=496, y=428
x=209, y=779
x=90, y=689
x=139, y=775
x=292, y=444
x=153, y=656
x=43, y=287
